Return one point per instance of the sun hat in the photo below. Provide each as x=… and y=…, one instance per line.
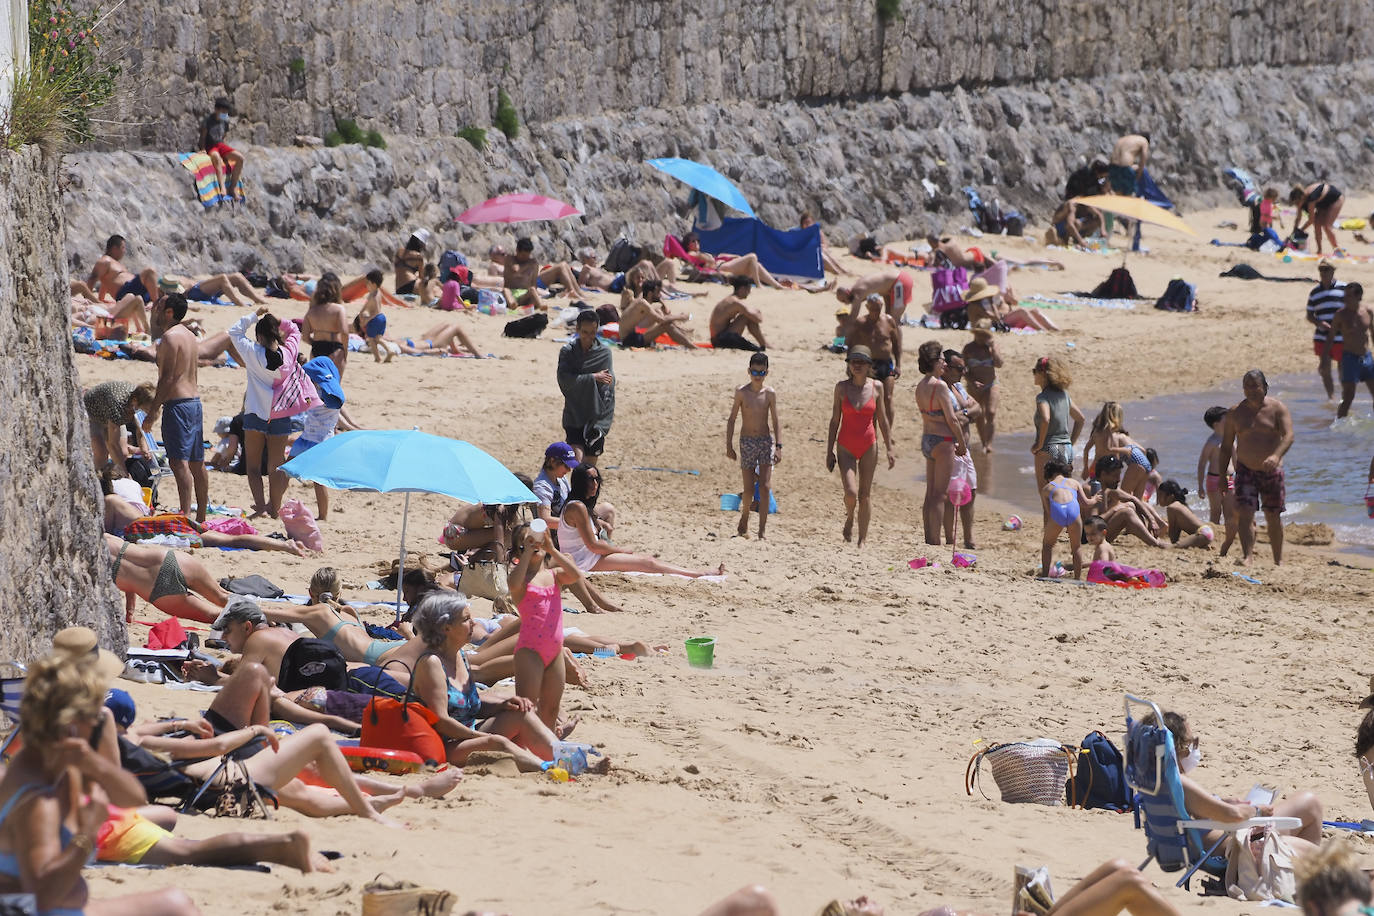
x=978, y=289
x=859, y=352
x=222, y=426
x=563, y=452
x=78, y=641
x=240, y=607
x=422, y=236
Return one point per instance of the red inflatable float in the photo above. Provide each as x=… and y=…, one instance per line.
x=397, y=763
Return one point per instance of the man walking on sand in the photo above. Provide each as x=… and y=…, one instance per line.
x=1323, y=303
x=1126, y=169
x=878, y=331
x=1354, y=323
x=178, y=396
x=587, y=380
x=1258, y=433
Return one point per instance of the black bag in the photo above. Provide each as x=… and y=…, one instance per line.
x=530, y=326
x=255, y=586
x=1120, y=285
x=310, y=662
x=159, y=778
x=1179, y=296
x=141, y=470
x=954, y=318
x=623, y=255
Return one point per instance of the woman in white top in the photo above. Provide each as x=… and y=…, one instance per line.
x=588, y=552
x=267, y=355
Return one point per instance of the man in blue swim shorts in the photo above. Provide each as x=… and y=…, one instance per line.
x=113, y=280
x=178, y=396
x=1353, y=325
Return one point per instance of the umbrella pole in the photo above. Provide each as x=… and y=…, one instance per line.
x=401, y=566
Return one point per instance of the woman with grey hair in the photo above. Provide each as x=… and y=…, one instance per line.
x=441, y=680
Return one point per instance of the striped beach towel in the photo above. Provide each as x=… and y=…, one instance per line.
x=203, y=173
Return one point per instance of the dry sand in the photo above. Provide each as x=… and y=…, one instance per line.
x=825, y=753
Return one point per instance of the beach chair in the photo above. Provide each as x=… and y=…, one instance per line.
x=696, y=271
x=1172, y=838
x=11, y=692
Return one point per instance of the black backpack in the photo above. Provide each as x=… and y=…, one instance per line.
x=529, y=326
x=1179, y=296
x=1099, y=779
x=1119, y=285
x=623, y=255
x=309, y=662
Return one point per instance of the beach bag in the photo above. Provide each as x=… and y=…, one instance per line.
x=1013, y=223
x=1179, y=296
x=1099, y=778
x=1297, y=240
x=530, y=326
x=948, y=285
x=405, y=898
x=254, y=585
x=623, y=255
x=294, y=393
x=300, y=525
x=310, y=662
x=1025, y=771
x=402, y=725
x=1259, y=865
x=1118, y=285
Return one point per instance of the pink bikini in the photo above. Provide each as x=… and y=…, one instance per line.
x=541, y=622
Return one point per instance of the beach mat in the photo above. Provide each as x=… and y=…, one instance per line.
x=203, y=175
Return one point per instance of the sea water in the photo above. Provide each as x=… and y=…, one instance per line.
x=1327, y=469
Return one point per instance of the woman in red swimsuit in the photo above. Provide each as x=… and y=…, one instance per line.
x=858, y=403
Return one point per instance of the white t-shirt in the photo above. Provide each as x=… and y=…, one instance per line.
x=552, y=493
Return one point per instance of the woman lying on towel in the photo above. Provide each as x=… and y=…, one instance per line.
x=732, y=265
x=134, y=523
x=336, y=623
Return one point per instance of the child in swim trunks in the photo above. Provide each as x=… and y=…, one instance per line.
x=758, y=451
x=370, y=322
x=1221, y=502
x=1063, y=498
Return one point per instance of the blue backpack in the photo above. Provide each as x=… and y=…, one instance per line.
x=1099, y=780
x=449, y=260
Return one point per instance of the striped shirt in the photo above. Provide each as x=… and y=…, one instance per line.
x=1322, y=304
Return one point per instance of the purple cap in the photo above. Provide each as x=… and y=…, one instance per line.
x=563, y=452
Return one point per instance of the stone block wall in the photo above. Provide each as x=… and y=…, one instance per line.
x=54, y=569
x=427, y=67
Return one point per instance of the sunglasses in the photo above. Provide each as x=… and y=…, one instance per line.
x=758, y=373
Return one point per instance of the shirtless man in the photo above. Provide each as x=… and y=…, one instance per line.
x=896, y=286
x=521, y=274
x=1124, y=171
x=731, y=318
x=1353, y=325
x=878, y=331
x=178, y=356
x=245, y=628
x=325, y=328
x=758, y=450
x=232, y=286
x=114, y=281
x=649, y=312
x=1258, y=433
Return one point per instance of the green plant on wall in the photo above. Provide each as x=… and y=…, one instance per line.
x=297, y=66
x=507, y=121
x=68, y=78
x=477, y=136
x=889, y=9
x=346, y=130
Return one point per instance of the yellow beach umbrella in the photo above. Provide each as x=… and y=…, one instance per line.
x=1136, y=208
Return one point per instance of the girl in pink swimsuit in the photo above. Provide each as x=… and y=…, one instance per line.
x=536, y=588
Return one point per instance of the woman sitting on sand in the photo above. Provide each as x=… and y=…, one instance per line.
x=987, y=303
x=852, y=442
x=942, y=434
x=439, y=676
x=1185, y=528
x=333, y=621
x=578, y=539
x=1204, y=805
x=982, y=361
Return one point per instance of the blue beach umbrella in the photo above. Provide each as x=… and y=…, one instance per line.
x=706, y=180
x=408, y=461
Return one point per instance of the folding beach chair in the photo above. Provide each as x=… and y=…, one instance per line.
x=11, y=692
x=1172, y=838
x=229, y=789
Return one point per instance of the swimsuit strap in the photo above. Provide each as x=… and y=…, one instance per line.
x=114, y=568
x=19, y=793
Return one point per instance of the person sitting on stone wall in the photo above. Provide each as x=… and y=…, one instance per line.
x=228, y=161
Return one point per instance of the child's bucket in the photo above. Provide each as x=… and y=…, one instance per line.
x=701, y=651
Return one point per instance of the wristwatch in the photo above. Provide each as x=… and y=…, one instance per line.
x=84, y=843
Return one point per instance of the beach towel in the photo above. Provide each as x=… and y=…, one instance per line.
x=588, y=405
x=790, y=252
x=202, y=171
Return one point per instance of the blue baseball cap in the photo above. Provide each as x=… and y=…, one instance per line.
x=122, y=705
x=563, y=452
x=325, y=375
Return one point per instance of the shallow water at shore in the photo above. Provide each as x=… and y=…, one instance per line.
x=1327, y=467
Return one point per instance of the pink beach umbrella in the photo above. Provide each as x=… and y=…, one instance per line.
x=517, y=208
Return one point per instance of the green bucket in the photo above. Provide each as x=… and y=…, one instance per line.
x=701, y=651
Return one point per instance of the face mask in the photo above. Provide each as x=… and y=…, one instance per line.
x=1192, y=760
x=224, y=117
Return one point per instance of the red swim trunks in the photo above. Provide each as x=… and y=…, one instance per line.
x=224, y=149
x=1319, y=346
x=1256, y=489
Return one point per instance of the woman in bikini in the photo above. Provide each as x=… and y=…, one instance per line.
x=852, y=442
x=52, y=808
x=982, y=360
x=537, y=589
x=336, y=623
x=588, y=552
x=1108, y=437
x=942, y=434
x=1321, y=203
x=1185, y=528
x=173, y=583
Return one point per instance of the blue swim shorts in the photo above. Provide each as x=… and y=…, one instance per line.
x=183, y=430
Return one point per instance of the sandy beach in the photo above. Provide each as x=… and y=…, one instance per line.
x=824, y=754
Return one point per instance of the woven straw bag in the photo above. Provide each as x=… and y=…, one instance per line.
x=404, y=898
x=1025, y=771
